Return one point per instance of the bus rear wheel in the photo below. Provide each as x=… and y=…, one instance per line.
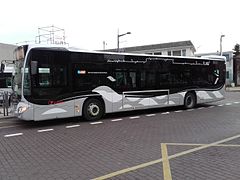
x=93, y=109
x=190, y=100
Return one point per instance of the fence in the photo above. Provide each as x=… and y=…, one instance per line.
x=6, y=104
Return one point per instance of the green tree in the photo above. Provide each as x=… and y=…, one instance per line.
x=236, y=50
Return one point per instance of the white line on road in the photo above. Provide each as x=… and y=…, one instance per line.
x=5, y=122
x=115, y=120
x=134, y=117
x=201, y=108
x=179, y=111
x=165, y=113
x=11, y=135
x=44, y=130
x=5, y=127
x=190, y=110
x=236, y=102
x=98, y=122
x=73, y=126
x=228, y=104
x=220, y=105
x=150, y=115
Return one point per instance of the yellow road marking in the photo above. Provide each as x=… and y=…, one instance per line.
x=166, y=166
x=169, y=157
x=203, y=147
x=129, y=169
x=189, y=144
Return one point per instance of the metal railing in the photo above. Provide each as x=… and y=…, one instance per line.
x=7, y=103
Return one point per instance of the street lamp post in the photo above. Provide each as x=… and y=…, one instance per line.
x=221, y=44
x=118, y=36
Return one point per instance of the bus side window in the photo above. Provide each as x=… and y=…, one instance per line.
x=132, y=79
x=125, y=81
x=119, y=80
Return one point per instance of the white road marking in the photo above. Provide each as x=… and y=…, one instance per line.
x=150, y=115
x=179, y=111
x=11, y=135
x=98, y=122
x=134, y=117
x=236, y=102
x=5, y=122
x=201, y=108
x=190, y=109
x=115, y=120
x=228, y=104
x=73, y=126
x=211, y=106
x=165, y=113
x=5, y=127
x=220, y=105
x=44, y=130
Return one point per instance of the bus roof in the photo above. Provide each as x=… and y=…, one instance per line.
x=75, y=49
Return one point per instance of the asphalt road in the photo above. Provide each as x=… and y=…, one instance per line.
x=167, y=143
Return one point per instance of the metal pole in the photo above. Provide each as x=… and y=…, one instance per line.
x=118, y=36
x=221, y=44
x=118, y=41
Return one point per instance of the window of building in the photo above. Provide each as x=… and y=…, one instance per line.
x=177, y=53
x=227, y=75
x=158, y=53
x=184, y=53
x=169, y=53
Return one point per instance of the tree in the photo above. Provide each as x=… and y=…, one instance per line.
x=236, y=50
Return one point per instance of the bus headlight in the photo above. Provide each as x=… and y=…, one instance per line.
x=22, y=109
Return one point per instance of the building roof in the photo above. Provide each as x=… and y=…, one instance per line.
x=169, y=45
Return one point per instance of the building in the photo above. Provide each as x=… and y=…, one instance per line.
x=6, y=51
x=180, y=48
x=236, y=70
x=229, y=65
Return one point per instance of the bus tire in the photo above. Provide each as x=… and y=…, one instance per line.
x=93, y=109
x=190, y=100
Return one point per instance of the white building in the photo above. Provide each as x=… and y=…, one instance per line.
x=180, y=48
x=6, y=51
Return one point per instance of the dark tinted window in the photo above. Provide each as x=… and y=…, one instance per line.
x=5, y=80
x=89, y=71
x=49, y=75
x=125, y=80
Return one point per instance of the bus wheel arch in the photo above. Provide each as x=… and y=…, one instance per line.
x=190, y=100
x=93, y=108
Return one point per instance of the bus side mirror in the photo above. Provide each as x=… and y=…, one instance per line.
x=2, y=68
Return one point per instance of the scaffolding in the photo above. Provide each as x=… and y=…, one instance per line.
x=50, y=35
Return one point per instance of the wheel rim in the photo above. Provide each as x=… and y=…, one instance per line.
x=93, y=109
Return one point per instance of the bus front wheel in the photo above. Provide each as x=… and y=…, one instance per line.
x=93, y=109
x=190, y=100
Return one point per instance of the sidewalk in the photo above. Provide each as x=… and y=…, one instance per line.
x=233, y=89
x=10, y=114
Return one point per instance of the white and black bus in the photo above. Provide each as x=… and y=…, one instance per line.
x=59, y=82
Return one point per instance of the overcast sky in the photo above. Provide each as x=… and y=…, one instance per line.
x=88, y=23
